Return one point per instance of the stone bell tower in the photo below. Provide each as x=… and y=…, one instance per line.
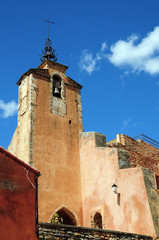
x=47, y=136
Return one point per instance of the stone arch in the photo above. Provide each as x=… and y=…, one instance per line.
x=56, y=90
x=97, y=220
x=59, y=76
x=58, y=97
x=66, y=214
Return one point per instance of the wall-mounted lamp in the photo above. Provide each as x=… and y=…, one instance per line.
x=115, y=188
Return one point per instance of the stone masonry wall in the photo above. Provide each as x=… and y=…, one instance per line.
x=140, y=153
x=153, y=197
x=19, y=145
x=62, y=232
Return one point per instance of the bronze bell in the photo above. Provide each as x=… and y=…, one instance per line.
x=56, y=90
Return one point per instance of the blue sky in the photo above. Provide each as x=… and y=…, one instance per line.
x=111, y=48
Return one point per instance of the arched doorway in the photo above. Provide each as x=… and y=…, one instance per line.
x=97, y=220
x=64, y=216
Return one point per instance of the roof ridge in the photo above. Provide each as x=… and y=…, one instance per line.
x=26, y=165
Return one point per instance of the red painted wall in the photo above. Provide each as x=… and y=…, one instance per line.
x=17, y=200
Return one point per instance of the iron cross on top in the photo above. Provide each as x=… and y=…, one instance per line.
x=48, y=24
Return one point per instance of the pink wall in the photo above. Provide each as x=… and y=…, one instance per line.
x=99, y=171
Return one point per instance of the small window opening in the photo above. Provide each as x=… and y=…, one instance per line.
x=97, y=220
x=70, y=122
x=157, y=182
x=56, y=86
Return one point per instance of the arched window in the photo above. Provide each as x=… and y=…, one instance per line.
x=64, y=216
x=97, y=220
x=56, y=86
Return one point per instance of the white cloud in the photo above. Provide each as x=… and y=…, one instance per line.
x=126, y=123
x=103, y=47
x=90, y=63
x=138, y=56
x=8, y=109
x=133, y=55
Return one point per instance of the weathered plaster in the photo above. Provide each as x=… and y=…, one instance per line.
x=47, y=138
x=100, y=168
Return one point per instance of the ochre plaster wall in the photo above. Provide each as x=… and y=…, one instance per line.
x=130, y=212
x=17, y=201
x=47, y=138
x=55, y=151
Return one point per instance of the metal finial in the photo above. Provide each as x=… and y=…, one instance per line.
x=48, y=24
x=48, y=52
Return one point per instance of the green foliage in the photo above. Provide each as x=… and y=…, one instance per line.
x=57, y=219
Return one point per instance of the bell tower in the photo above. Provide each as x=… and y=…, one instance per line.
x=47, y=135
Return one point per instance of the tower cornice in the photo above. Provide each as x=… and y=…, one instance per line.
x=41, y=72
x=53, y=65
